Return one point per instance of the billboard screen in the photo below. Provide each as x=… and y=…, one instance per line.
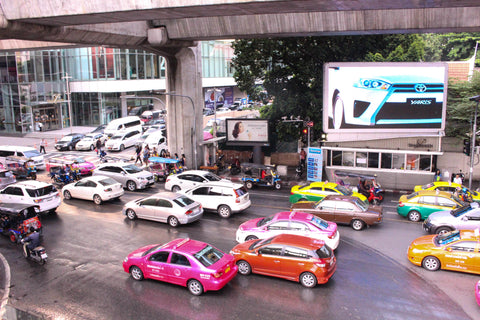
x=241, y=131
x=388, y=96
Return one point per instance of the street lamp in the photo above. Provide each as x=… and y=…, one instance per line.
x=474, y=134
x=194, y=144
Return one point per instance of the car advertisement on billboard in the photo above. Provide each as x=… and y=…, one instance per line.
x=384, y=97
x=242, y=131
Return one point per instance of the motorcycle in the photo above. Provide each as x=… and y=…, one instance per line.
x=38, y=254
x=376, y=194
x=235, y=167
x=299, y=170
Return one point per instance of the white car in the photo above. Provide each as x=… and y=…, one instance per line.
x=40, y=193
x=189, y=179
x=96, y=188
x=223, y=197
x=129, y=175
x=169, y=207
x=121, y=141
x=89, y=142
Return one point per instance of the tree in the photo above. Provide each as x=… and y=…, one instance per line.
x=291, y=70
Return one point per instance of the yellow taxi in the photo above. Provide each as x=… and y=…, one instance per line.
x=455, y=250
x=318, y=190
x=448, y=187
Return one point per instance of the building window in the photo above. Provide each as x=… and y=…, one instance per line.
x=361, y=160
x=373, y=159
x=386, y=161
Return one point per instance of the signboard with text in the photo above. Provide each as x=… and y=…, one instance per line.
x=314, y=164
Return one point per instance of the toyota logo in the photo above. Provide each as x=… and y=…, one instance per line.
x=420, y=87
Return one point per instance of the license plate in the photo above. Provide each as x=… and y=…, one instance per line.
x=227, y=269
x=44, y=256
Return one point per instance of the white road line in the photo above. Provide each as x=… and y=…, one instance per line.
x=4, y=300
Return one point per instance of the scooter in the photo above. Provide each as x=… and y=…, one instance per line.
x=299, y=170
x=38, y=254
x=235, y=168
x=376, y=194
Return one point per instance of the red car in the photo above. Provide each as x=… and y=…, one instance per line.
x=292, y=257
x=189, y=263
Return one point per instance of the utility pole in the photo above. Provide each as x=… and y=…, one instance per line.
x=68, y=101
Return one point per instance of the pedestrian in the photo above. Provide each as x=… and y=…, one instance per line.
x=138, y=154
x=167, y=154
x=43, y=143
x=303, y=157
x=98, y=145
x=438, y=175
x=154, y=152
x=146, y=155
x=457, y=179
x=182, y=161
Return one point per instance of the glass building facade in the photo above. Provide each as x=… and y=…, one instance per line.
x=34, y=94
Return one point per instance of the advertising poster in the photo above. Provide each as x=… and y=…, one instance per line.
x=314, y=164
x=385, y=96
x=247, y=131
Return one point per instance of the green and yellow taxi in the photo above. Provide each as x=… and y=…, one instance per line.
x=419, y=205
x=448, y=187
x=316, y=191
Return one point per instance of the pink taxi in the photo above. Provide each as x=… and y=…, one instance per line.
x=477, y=292
x=189, y=263
x=298, y=223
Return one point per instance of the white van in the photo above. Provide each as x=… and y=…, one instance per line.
x=158, y=141
x=27, y=152
x=122, y=125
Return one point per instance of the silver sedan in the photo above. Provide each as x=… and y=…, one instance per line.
x=168, y=207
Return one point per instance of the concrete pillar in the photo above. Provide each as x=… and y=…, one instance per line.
x=184, y=79
x=124, y=104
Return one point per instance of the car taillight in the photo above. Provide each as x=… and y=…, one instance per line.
x=188, y=212
x=217, y=274
x=168, y=179
x=320, y=265
x=401, y=204
x=38, y=200
x=237, y=197
x=108, y=190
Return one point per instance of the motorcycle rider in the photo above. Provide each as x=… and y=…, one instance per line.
x=32, y=241
x=364, y=188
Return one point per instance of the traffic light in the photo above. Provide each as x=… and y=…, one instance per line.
x=466, y=146
x=305, y=131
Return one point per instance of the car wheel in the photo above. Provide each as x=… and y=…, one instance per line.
x=431, y=263
x=195, y=287
x=249, y=185
x=173, y=221
x=224, y=211
x=244, y=267
x=131, y=185
x=92, y=147
x=278, y=186
x=338, y=111
x=357, y=225
x=414, y=216
x=97, y=199
x=131, y=214
x=67, y=195
x=308, y=280
x=122, y=147
x=136, y=273
x=175, y=188
x=251, y=238
x=443, y=230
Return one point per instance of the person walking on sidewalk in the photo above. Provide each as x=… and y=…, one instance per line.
x=43, y=143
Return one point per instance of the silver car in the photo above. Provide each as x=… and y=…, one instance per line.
x=6, y=178
x=129, y=175
x=463, y=218
x=169, y=207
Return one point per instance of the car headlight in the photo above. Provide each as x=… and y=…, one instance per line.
x=374, y=84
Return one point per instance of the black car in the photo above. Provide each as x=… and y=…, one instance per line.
x=69, y=141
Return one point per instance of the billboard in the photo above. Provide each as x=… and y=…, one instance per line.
x=387, y=96
x=242, y=131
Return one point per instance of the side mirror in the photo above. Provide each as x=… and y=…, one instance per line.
x=449, y=249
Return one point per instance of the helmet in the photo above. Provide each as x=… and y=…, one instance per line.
x=464, y=189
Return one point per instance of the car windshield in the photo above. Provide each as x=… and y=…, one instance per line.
x=107, y=182
x=344, y=190
x=183, y=201
x=208, y=255
x=31, y=153
x=319, y=223
x=40, y=192
x=259, y=243
x=155, y=248
x=264, y=221
x=67, y=138
x=462, y=210
x=426, y=186
x=212, y=177
x=132, y=168
x=79, y=160
x=361, y=204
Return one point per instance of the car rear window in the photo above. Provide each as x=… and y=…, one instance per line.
x=40, y=192
x=208, y=255
x=107, y=182
x=412, y=195
x=183, y=201
x=31, y=153
x=319, y=222
x=241, y=191
x=324, y=252
x=212, y=177
x=132, y=168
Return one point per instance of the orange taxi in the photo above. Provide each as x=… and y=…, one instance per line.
x=455, y=250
